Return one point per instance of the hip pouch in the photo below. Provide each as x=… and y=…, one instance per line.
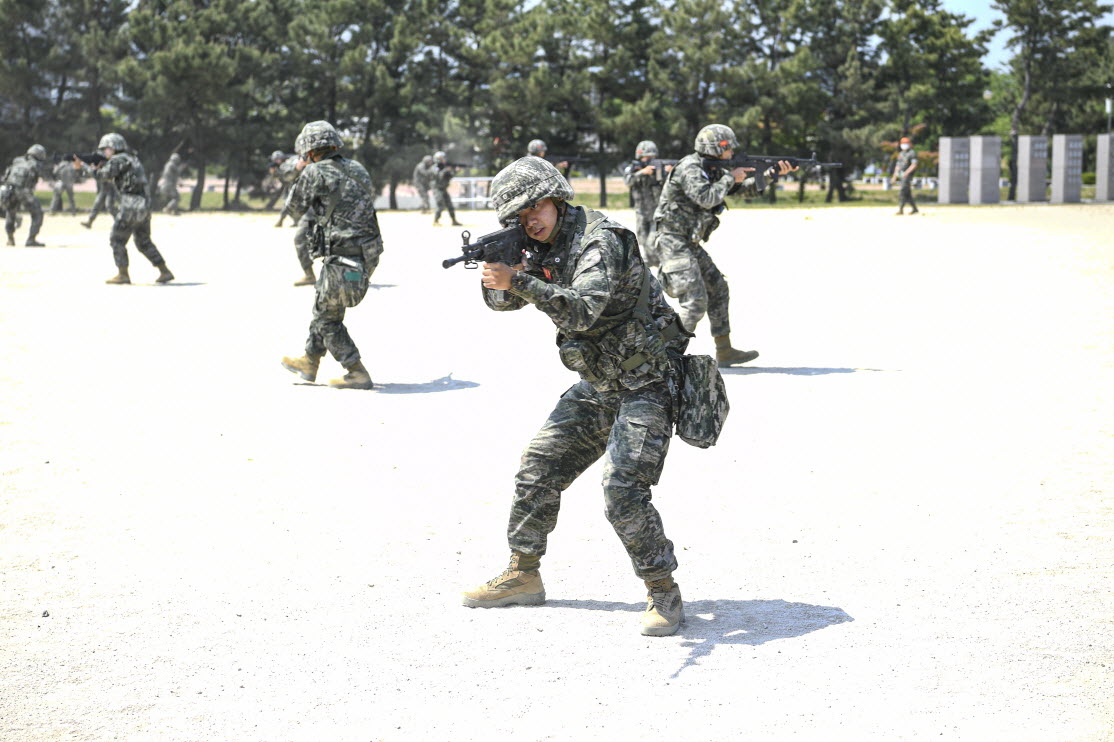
x=703, y=404
x=344, y=278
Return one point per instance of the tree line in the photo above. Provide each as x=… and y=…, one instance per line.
x=225, y=82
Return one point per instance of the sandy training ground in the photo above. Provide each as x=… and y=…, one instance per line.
x=906, y=531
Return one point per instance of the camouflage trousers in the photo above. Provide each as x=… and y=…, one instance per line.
x=326, y=330
x=906, y=194
x=423, y=197
x=171, y=200
x=444, y=203
x=133, y=221
x=631, y=430
x=61, y=189
x=24, y=199
x=688, y=274
x=106, y=200
x=301, y=245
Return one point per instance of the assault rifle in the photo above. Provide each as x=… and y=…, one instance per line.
x=90, y=158
x=457, y=165
x=759, y=163
x=505, y=246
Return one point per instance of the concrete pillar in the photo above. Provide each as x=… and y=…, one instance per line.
x=1032, y=169
x=1067, y=168
x=1104, y=172
x=955, y=167
x=986, y=165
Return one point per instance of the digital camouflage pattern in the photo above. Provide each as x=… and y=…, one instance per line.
x=686, y=215
x=536, y=148
x=352, y=231
x=113, y=140
x=588, y=282
x=22, y=175
x=645, y=191
x=168, y=184
x=905, y=158
x=422, y=179
x=440, y=180
x=703, y=404
x=715, y=139
x=526, y=181
x=64, y=177
x=133, y=215
x=317, y=135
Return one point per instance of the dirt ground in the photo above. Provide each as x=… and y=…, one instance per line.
x=905, y=532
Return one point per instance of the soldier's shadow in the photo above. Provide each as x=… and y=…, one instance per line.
x=444, y=384
x=792, y=371
x=711, y=623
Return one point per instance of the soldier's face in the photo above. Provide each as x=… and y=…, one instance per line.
x=108, y=152
x=727, y=154
x=539, y=220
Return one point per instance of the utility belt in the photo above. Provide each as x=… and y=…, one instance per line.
x=609, y=355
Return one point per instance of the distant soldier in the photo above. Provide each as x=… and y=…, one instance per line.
x=423, y=180
x=686, y=215
x=904, y=168
x=645, y=191
x=107, y=199
x=443, y=173
x=538, y=148
x=335, y=196
x=20, y=179
x=294, y=165
x=64, y=178
x=168, y=185
x=133, y=218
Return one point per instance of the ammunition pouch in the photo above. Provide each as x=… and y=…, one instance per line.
x=344, y=279
x=704, y=227
x=703, y=405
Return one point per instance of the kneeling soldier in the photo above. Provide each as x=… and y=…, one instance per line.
x=585, y=273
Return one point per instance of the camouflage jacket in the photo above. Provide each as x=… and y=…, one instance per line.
x=353, y=227
x=64, y=173
x=23, y=173
x=644, y=189
x=288, y=171
x=422, y=176
x=171, y=172
x=692, y=197
x=905, y=158
x=124, y=170
x=441, y=176
x=588, y=282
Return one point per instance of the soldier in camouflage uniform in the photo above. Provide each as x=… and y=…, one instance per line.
x=903, y=170
x=423, y=180
x=616, y=330
x=168, y=185
x=443, y=173
x=686, y=216
x=64, y=178
x=286, y=170
x=334, y=194
x=538, y=148
x=645, y=191
x=133, y=218
x=21, y=177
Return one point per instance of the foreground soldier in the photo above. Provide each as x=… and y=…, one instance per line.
x=585, y=273
x=334, y=195
x=903, y=170
x=645, y=191
x=168, y=185
x=21, y=177
x=125, y=173
x=686, y=215
x=64, y=178
x=423, y=180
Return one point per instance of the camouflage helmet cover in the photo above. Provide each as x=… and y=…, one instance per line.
x=715, y=139
x=525, y=182
x=317, y=135
x=37, y=151
x=646, y=148
x=175, y=157
x=440, y=157
x=427, y=160
x=278, y=154
x=113, y=140
x=536, y=147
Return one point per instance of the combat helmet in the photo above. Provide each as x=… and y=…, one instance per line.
x=175, y=157
x=37, y=151
x=440, y=157
x=115, y=141
x=646, y=148
x=278, y=154
x=525, y=182
x=317, y=135
x=536, y=147
x=715, y=139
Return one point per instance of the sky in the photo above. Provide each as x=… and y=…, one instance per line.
x=997, y=54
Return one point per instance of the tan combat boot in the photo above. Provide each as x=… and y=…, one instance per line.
x=665, y=611
x=520, y=584
x=728, y=356
x=121, y=277
x=307, y=280
x=165, y=276
x=304, y=366
x=356, y=378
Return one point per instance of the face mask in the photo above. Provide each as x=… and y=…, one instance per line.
x=904, y=146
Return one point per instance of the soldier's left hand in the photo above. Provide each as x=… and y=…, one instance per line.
x=497, y=276
x=784, y=168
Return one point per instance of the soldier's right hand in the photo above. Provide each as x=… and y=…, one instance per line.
x=742, y=173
